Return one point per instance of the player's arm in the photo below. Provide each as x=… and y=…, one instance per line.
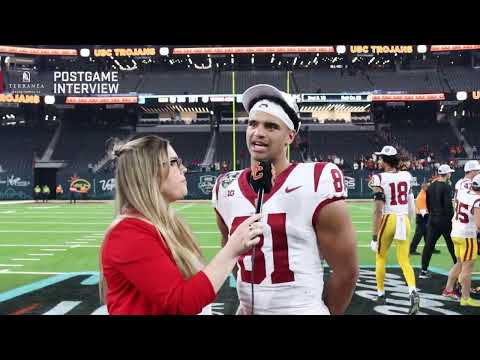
x=224, y=236
x=411, y=206
x=476, y=215
x=338, y=245
x=378, y=205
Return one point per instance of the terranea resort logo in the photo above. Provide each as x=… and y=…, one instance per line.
x=85, y=83
x=24, y=82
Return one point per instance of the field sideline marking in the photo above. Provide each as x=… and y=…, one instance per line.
x=29, y=259
x=12, y=265
x=30, y=272
x=47, y=231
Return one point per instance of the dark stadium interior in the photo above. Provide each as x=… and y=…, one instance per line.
x=426, y=132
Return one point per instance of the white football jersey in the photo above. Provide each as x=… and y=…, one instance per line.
x=396, y=187
x=462, y=185
x=288, y=277
x=463, y=222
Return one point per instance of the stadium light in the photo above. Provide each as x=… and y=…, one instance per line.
x=463, y=113
x=164, y=51
x=341, y=49
x=461, y=95
x=49, y=99
x=455, y=113
x=85, y=52
x=422, y=49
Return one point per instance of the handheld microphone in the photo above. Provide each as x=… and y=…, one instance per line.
x=261, y=182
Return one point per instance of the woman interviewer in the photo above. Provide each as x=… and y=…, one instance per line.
x=149, y=261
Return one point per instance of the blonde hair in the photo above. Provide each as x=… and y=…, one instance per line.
x=142, y=166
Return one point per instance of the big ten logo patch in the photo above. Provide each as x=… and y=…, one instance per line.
x=230, y=193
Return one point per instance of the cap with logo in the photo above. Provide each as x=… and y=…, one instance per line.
x=471, y=165
x=476, y=182
x=267, y=106
x=387, y=151
x=445, y=169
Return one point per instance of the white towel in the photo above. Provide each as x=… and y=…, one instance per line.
x=401, y=228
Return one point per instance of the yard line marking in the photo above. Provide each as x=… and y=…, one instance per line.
x=3, y=271
x=13, y=265
x=30, y=272
x=441, y=245
x=218, y=232
x=184, y=207
x=360, y=207
x=43, y=207
x=54, y=223
x=29, y=259
x=37, y=245
x=46, y=231
x=210, y=247
x=76, y=242
x=207, y=223
x=40, y=254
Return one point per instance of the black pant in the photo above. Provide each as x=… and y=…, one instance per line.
x=420, y=231
x=73, y=197
x=437, y=226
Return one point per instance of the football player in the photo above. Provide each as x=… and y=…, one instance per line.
x=305, y=218
x=393, y=208
x=465, y=225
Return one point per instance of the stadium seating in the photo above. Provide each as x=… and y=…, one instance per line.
x=462, y=78
x=18, y=145
x=177, y=82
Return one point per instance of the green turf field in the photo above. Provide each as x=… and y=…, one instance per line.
x=41, y=240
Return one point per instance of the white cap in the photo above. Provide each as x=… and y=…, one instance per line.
x=476, y=181
x=471, y=165
x=444, y=169
x=268, y=90
x=387, y=151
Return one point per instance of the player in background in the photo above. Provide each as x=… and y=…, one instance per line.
x=393, y=208
x=471, y=168
x=465, y=226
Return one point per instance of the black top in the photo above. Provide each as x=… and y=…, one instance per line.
x=439, y=200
